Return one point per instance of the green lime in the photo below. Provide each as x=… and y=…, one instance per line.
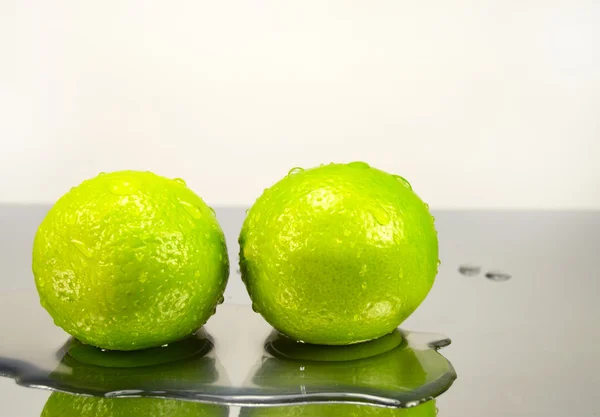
x=338, y=254
x=67, y=405
x=130, y=260
x=341, y=410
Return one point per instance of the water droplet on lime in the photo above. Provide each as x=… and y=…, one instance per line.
x=101, y=174
x=180, y=181
x=255, y=308
x=193, y=210
x=221, y=300
x=381, y=215
x=122, y=188
x=85, y=251
x=364, y=285
x=295, y=170
x=359, y=164
x=403, y=181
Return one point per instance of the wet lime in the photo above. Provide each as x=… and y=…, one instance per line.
x=130, y=260
x=338, y=254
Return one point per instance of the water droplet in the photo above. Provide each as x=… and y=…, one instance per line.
x=403, y=181
x=364, y=285
x=221, y=300
x=238, y=271
x=426, y=206
x=82, y=248
x=359, y=164
x=363, y=271
x=255, y=308
x=497, y=276
x=380, y=215
x=122, y=188
x=213, y=211
x=180, y=181
x=439, y=262
x=295, y=170
x=469, y=270
x=101, y=174
x=247, y=210
x=193, y=210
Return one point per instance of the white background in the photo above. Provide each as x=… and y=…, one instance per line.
x=478, y=103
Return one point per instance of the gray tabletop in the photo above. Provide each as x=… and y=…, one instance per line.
x=522, y=346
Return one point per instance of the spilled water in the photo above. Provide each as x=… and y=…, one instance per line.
x=402, y=369
x=469, y=270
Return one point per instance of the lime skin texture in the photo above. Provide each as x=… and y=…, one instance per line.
x=130, y=260
x=338, y=254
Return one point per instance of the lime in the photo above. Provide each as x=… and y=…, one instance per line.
x=340, y=410
x=66, y=405
x=130, y=260
x=338, y=254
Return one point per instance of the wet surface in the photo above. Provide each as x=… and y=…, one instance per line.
x=403, y=369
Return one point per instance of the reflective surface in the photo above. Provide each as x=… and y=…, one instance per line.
x=402, y=369
x=527, y=346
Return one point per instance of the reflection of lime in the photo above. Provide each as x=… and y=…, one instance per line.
x=130, y=260
x=279, y=345
x=390, y=373
x=338, y=254
x=191, y=374
x=66, y=405
x=197, y=345
x=340, y=410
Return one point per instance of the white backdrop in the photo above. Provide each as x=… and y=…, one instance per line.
x=477, y=103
